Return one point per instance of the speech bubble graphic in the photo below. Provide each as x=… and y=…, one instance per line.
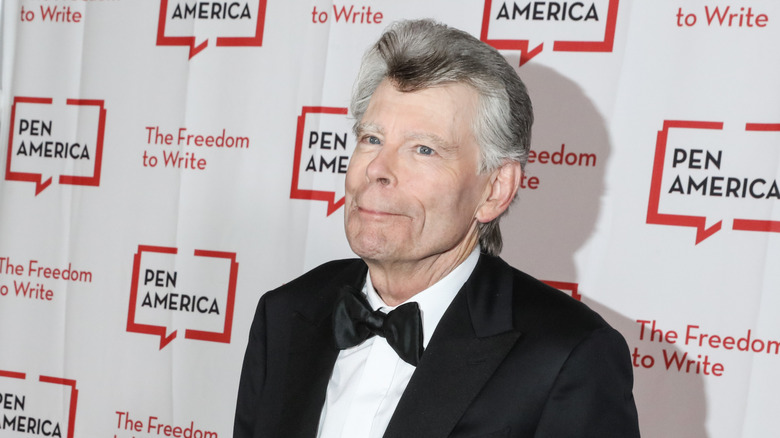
x=231, y=24
x=703, y=161
x=758, y=224
x=70, y=134
x=206, y=315
x=565, y=23
x=570, y=288
x=37, y=399
x=320, y=166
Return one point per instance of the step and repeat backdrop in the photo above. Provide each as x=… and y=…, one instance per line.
x=166, y=162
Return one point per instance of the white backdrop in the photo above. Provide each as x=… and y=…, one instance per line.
x=166, y=162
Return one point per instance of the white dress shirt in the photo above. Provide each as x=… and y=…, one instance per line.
x=368, y=379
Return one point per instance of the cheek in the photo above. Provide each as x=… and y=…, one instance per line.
x=358, y=162
x=454, y=205
x=354, y=176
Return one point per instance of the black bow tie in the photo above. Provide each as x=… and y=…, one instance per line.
x=354, y=321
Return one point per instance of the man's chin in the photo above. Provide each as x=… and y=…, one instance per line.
x=369, y=252
x=373, y=249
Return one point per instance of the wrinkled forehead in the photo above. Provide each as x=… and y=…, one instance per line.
x=444, y=109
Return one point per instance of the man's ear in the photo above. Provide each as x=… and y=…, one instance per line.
x=502, y=187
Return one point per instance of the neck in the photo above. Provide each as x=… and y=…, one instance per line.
x=398, y=281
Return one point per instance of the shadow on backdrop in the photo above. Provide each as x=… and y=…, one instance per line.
x=554, y=217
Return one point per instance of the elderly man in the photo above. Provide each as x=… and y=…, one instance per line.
x=430, y=334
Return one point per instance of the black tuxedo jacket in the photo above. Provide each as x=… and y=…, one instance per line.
x=511, y=357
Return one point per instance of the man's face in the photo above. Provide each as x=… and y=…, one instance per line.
x=412, y=188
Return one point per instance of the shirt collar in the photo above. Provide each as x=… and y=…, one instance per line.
x=434, y=300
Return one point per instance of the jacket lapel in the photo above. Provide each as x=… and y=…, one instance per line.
x=312, y=354
x=472, y=339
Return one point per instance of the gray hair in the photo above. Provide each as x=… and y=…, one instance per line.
x=420, y=54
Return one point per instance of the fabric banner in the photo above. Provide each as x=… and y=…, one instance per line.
x=166, y=162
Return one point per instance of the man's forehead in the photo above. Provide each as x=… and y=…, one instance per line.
x=440, y=115
x=461, y=91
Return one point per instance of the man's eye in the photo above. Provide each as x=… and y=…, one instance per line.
x=372, y=140
x=425, y=150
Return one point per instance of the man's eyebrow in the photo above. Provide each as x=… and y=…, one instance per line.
x=433, y=140
x=360, y=128
x=426, y=138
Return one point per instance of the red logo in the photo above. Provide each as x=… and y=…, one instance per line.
x=48, y=139
x=228, y=24
x=572, y=26
x=707, y=170
x=319, y=167
x=44, y=406
x=569, y=288
x=171, y=291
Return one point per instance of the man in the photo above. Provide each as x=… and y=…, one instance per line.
x=443, y=130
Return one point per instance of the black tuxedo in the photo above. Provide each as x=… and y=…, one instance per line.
x=511, y=357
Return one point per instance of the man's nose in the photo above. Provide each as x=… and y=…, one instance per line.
x=383, y=167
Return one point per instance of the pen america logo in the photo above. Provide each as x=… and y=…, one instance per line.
x=571, y=26
x=44, y=406
x=193, y=291
x=226, y=23
x=706, y=171
x=323, y=145
x=51, y=138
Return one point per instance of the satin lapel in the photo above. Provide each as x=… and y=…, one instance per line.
x=312, y=354
x=470, y=342
x=310, y=362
